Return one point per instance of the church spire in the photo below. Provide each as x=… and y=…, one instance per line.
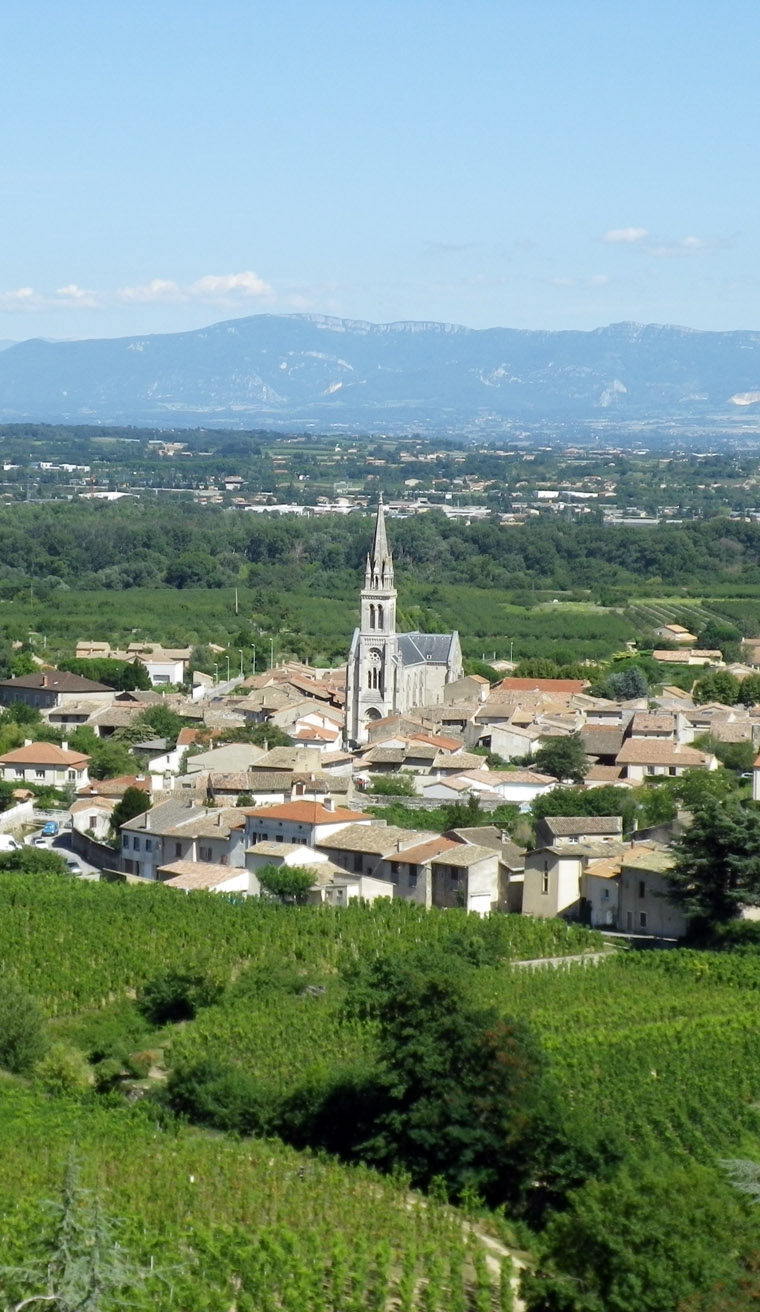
x=379, y=560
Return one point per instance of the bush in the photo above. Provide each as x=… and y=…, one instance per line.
x=224, y=1097
x=63, y=1070
x=23, y=1039
x=174, y=996
x=393, y=785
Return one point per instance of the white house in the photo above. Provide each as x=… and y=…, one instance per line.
x=303, y=822
x=45, y=763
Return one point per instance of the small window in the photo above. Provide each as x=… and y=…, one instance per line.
x=136, y=843
x=545, y=878
x=204, y=854
x=125, y=840
x=357, y=863
x=177, y=850
x=148, y=845
x=72, y=774
x=279, y=838
x=642, y=888
x=412, y=877
x=395, y=867
x=40, y=774
x=642, y=920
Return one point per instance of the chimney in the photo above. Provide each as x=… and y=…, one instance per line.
x=220, y=819
x=329, y=803
x=64, y=745
x=146, y=821
x=27, y=742
x=44, y=681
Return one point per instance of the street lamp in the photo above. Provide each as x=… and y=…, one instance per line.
x=271, y=653
x=228, y=666
x=253, y=666
x=241, y=661
x=216, y=674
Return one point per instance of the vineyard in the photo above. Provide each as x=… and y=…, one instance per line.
x=653, y=1060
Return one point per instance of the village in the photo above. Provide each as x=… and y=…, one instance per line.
x=401, y=721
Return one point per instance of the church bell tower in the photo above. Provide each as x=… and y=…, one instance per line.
x=371, y=685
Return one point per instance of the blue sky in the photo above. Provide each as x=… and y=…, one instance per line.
x=551, y=164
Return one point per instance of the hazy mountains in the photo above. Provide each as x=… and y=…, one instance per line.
x=296, y=370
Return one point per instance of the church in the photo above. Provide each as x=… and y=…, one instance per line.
x=390, y=672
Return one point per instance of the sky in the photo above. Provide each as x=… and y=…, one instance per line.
x=544, y=164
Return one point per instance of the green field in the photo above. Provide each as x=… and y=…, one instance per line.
x=652, y=1062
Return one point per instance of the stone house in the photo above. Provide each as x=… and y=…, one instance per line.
x=45, y=763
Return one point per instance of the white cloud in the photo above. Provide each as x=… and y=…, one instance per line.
x=21, y=298
x=71, y=294
x=211, y=287
x=599, y=280
x=246, y=284
x=625, y=236
x=159, y=289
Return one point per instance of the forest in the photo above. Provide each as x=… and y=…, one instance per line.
x=312, y=1110
x=177, y=571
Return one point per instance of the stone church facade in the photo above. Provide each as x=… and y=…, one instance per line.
x=390, y=672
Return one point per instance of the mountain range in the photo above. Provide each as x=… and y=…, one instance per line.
x=277, y=371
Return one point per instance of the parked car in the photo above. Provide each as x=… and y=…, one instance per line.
x=73, y=865
x=50, y=829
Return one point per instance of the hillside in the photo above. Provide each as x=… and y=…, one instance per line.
x=310, y=370
x=164, y=1133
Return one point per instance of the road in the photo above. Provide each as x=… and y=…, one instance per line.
x=62, y=844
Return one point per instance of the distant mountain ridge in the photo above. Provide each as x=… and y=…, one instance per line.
x=303, y=370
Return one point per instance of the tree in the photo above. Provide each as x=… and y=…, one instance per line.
x=85, y=1265
x=625, y=685
x=33, y=861
x=155, y=721
x=23, y=1039
x=565, y=758
x=463, y=1098
x=717, y=635
x=718, y=686
x=717, y=863
x=607, y=800
x=749, y=690
x=135, y=801
x=643, y=1241
x=287, y=883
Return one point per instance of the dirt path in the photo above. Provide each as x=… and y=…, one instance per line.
x=495, y=1253
x=584, y=958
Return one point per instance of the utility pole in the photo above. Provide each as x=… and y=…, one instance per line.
x=253, y=665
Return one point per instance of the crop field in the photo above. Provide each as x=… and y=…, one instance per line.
x=656, y=1054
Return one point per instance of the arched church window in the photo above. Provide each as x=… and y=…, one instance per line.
x=380, y=618
x=374, y=672
x=372, y=616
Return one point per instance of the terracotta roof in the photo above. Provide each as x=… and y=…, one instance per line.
x=510, y=684
x=198, y=874
x=566, y=826
x=375, y=839
x=310, y=813
x=44, y=754
x=653, y=751
x=117, y=787
x=423, y=852
x=644, y=722
x=606, y=774
x=466, y=854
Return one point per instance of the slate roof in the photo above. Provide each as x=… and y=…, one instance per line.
x=566, y=826
x=55, y=681
x=424, y=648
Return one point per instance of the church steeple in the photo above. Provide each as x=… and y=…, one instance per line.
x=379, y=572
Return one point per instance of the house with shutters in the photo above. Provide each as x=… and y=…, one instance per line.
x=45, y=763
